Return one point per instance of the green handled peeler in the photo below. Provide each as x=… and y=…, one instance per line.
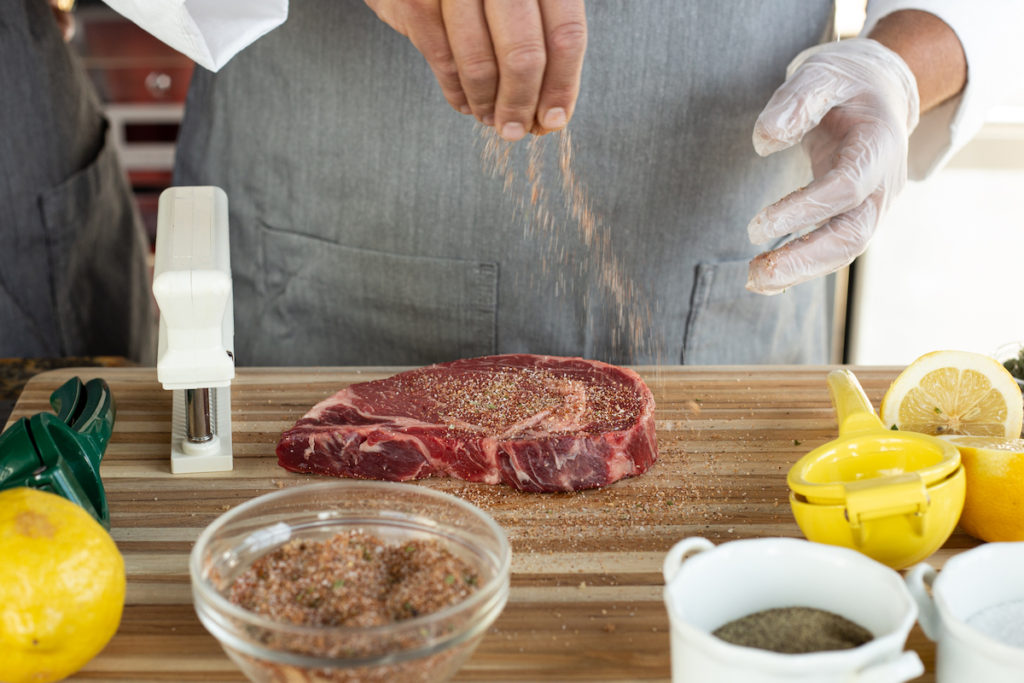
x=61, y=452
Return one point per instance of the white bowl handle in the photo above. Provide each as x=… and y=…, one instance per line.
x=904, y=668
x=919, y=580
x=679, y=552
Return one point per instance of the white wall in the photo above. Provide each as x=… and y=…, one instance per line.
x=946, y=267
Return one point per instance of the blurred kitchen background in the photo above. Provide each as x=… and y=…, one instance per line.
x=937, y=275
x=142, y=83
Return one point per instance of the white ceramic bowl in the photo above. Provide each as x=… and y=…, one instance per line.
x=707, y=586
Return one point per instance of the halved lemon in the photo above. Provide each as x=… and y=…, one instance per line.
x=994, y=503
x=955, y=392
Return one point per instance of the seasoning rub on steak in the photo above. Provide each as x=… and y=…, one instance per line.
x=537, y=423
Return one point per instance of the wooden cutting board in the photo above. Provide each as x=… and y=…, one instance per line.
x=585, y=603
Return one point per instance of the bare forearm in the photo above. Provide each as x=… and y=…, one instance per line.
x=930, y=48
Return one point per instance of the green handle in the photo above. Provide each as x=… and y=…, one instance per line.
x=62, y=453
x=88, y=411
x=853, y=408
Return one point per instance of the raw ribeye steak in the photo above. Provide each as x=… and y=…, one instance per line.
x=538, y=423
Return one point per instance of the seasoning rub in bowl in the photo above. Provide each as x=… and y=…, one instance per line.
x=354, y=580
x=351, y=580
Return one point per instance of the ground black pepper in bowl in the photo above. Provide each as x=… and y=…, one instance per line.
x=794, y=630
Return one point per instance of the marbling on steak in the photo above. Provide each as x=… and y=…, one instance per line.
x=537, y=423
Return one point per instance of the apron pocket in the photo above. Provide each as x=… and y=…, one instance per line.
x=20, y=333
x=97, y=253
x=728, y=325
x=327, y=304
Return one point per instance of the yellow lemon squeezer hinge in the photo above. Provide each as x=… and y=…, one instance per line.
x=896, y=495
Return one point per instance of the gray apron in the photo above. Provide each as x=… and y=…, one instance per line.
x=73, y=278
x=366, y=228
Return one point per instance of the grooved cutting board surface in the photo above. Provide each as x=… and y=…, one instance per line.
x=585, y=603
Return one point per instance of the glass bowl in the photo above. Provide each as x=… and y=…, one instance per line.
x=424, y=648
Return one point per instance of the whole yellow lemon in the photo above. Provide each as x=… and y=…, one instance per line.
x=62, y=586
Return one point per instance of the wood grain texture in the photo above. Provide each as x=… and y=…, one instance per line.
x=585, y=603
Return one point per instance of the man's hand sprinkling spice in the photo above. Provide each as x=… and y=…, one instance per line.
x=513, y=64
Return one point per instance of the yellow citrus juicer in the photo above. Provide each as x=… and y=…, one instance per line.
x=894, y=496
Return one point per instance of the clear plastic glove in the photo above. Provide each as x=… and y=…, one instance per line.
x=853, y=104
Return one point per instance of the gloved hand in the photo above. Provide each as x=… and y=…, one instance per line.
x=854, y=104
x=513, y=64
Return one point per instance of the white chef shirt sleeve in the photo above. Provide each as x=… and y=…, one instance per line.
x=209, y=32
x=989, y=31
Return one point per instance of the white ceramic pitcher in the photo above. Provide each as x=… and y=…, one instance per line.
x=987, y=577
x=708, y=586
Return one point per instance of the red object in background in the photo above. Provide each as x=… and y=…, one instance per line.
x=126, y=63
